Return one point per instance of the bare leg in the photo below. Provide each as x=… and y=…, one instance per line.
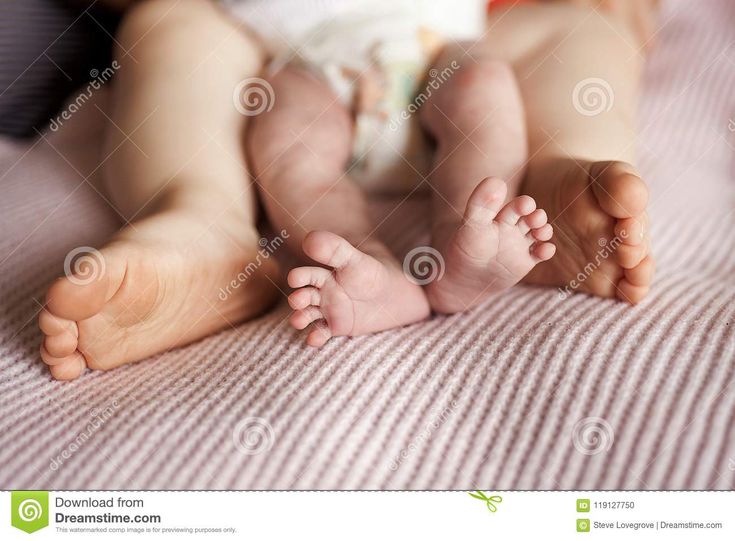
x=476, y=118
x=581, y=150
x=181, y=179
x=300, y=150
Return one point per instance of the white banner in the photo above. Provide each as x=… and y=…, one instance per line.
x=368, y=515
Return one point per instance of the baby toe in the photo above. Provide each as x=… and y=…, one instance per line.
x=308, y=276
x=301, y=319
x=543, y=233
x=60, y=345
x=535, y=220
x=304, y=297
x=630, y=293
x=319, y=335
x=515, y=209
x=619, y=189
x=630, y=256
x=543, y=251
x=642, y=274
x=52, y=325
x=72, y=367
x=631, y=231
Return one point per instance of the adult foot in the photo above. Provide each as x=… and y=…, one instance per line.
x=493, y=247
x=358, y=294
x=598, y=210
x=163, y=282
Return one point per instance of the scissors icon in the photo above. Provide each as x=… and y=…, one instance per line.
x=490, y=501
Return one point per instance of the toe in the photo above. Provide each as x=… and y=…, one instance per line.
x=630, y=256
x=543, y=251
x=51, y=325
x=60, y=345
x=619, y=190
x=302, y=298
x=631, y=293
x=512, y=212
x=632, y=231
x=533, y=221
x=308, y=276
x=642, y=274
x=329, y=249
x=71, y=368
x=76, y=301
x=485, y=202
x=301, y=319
x=319, y=335
x=543, y=233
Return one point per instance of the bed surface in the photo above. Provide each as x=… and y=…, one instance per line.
x=499, y=397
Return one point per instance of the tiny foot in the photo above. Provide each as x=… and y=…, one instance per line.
x=493, y=248
x=358, y=294
x=156, y=286
x=598, y=210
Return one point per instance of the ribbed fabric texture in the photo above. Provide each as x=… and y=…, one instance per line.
x=489, y=398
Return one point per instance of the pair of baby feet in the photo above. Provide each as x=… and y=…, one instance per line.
x=358, y=291
x=598, y=207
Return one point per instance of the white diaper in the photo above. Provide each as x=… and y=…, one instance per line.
x=382, y=48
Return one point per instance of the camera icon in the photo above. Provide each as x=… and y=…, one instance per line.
x=583, y=525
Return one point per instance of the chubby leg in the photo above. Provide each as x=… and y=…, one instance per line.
x=579, y=73
x=476, y=117
x=300, y=150
x=175, y=169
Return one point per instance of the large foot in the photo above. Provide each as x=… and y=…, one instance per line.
x=359, y=294
x=492, y=249
x=598, y=210
x=164, y=282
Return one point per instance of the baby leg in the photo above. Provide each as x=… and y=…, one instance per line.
x=300, y=150
x=476, y=117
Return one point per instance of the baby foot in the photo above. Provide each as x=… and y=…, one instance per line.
x=492, y=249
x=157, y=286
x=360, y=294
x=599, y=214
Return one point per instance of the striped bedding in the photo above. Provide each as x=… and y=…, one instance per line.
x=528, y=391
